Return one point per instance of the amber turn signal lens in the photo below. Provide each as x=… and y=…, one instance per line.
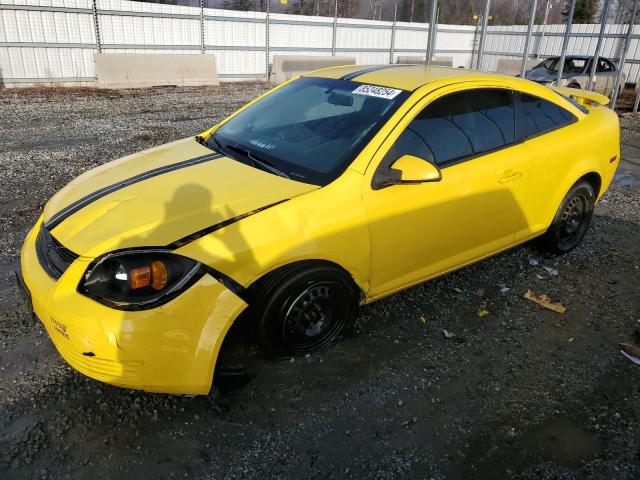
x=160, y=275
x=140, y=277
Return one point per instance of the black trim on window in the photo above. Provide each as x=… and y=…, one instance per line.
x=456, y=161
x=387, y=161
x=575, y=103
x=520, y=137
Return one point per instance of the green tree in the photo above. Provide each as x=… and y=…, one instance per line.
x=584, y=12
x=412, y=11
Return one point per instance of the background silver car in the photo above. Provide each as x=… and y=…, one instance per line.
x=576, y=73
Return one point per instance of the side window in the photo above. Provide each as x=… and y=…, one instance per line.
x=604, y=66
x=459, y=125
x=409, y=143
x=574, y=66
x=536, y=116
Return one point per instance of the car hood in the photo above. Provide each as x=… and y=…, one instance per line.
x=159, y=196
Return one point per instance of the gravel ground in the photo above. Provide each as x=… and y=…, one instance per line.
x=521, y=392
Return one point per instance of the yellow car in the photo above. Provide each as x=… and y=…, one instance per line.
x=330, y=191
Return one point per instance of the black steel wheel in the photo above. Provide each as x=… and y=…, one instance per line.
x=303, y=308
x=572, y=219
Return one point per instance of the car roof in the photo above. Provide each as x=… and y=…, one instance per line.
x=404, y=77
x=580, y=57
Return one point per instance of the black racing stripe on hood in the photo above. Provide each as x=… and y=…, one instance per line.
x=69, y=210
x=357, y=73
x=206, y=231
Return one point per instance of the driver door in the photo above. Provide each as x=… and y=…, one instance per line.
x=420, y=230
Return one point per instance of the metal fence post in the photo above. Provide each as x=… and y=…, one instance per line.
x=596, y=55
x=483, y=34
x=335, y=30
x=532, y=18
x=96, y=25
x=565, y=40
x=267, y=26
x=202, y=26
x=623, y=57
x=393, y=32
x=476, y=33
x=431, y=39
x=545, y=20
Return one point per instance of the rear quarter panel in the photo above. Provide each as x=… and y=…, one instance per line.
x=561, y=157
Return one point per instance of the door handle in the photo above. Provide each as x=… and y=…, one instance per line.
x=509, y=176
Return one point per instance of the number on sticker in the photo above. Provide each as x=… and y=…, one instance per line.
x=376, y=91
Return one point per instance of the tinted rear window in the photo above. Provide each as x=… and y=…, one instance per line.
x=538, y=116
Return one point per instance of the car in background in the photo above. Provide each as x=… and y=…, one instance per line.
x=575, y=73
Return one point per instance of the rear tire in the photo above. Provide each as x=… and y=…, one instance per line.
x=572, y=220
x=303, y=308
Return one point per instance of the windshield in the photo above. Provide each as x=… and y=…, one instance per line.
x=571, y=65
x=309, y=130
x=549, y=64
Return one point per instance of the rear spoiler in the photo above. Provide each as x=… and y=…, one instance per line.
x=583, y=97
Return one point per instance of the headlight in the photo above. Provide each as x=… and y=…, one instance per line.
x=140, y=279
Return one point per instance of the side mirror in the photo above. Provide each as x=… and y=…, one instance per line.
x=416, y=170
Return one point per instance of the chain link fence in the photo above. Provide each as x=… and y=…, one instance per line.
x=53, y=41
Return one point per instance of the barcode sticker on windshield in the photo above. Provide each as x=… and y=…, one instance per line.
x=376, y=91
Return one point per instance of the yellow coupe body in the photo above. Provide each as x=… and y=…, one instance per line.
x=208, y=212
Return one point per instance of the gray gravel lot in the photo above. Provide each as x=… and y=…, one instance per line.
x=521, y=393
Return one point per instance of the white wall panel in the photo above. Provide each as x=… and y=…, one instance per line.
x=250, y=34
x=318, y=35
x=32, y=42
x=148, y=31
x=235, y=62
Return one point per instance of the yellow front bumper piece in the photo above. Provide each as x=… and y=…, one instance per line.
x=169, y=349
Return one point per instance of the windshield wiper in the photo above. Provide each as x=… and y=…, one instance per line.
x=217, y=145
x=256, y=161
x=266, y=164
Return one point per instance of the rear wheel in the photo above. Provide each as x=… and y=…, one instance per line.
x=572, y=219
x=303, y=308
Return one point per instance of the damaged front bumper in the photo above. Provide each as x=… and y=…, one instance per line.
x=169, y=349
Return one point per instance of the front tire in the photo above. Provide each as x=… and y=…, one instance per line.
x=572, y=219
x=304, y=308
